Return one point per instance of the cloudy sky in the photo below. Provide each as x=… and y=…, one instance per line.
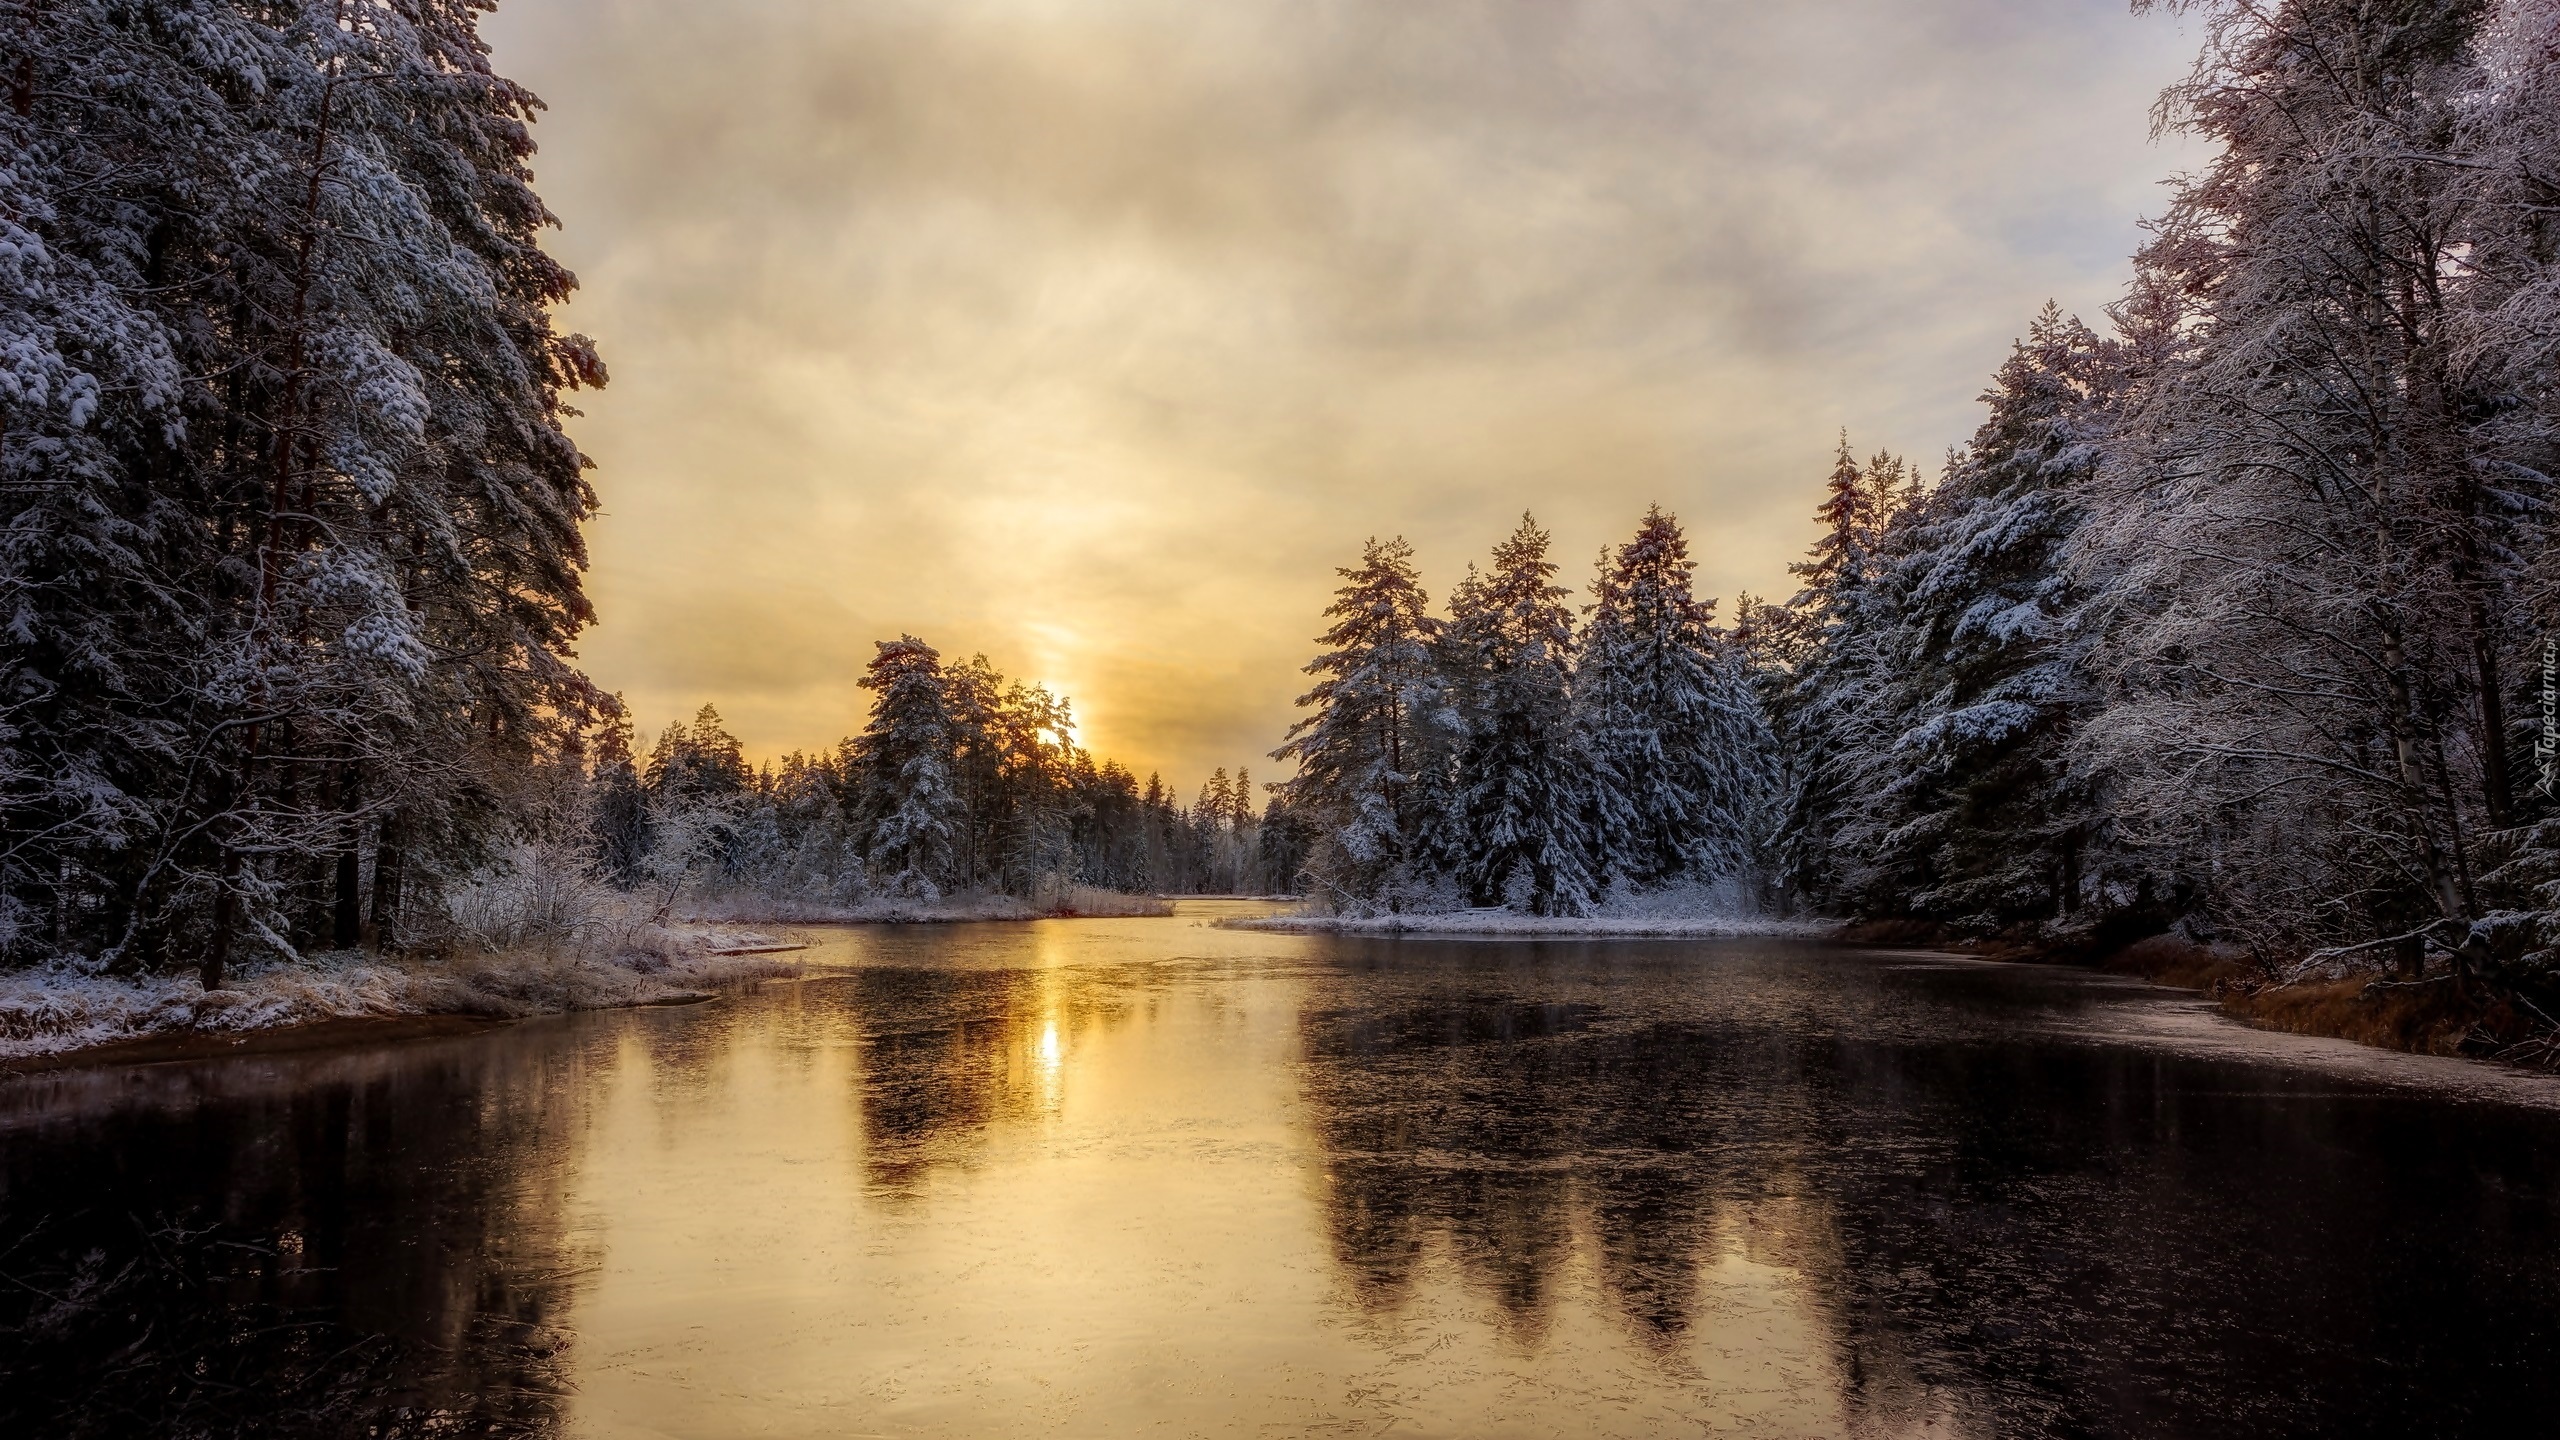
x=1091, y=334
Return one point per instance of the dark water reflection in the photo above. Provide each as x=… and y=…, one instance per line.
x=1097, y=1177
x=367, y=1244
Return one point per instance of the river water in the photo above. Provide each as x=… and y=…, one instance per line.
x=1154, y=1177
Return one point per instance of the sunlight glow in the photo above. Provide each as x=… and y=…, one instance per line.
x=1093, y=336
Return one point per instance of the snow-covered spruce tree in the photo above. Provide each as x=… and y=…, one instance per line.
x=1821, y=665
x=300, y=565
x=1970, y=814
x=98, y=564
x=617, y=805
x=1524, y=810
x=1111, y=825
x=1034, y=838
x=1376, y=681
x=2305, y=506
x=1678, y=745
x=910, y=804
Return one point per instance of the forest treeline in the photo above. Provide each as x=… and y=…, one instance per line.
x=960, y=783
x=2238, y=616
x=2236, y=613
x=1516, y=753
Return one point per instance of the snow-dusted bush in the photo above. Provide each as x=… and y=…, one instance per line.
x=544, y=897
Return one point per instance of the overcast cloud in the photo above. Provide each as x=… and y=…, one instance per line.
x=1092, y=333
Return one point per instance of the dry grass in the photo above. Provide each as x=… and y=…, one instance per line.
x=2433, y=1018
x=2180, y=963
x=1896, y=932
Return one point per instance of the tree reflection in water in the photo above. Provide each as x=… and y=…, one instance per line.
x=2000, y=1231
x=946, y=1055
x=374, y=1246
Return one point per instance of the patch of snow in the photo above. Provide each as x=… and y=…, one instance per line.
x=50, y=1010
x=1700, y=912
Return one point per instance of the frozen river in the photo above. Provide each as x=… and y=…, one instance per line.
x=1152, y=1177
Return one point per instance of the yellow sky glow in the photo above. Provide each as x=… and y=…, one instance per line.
x=1091, y=334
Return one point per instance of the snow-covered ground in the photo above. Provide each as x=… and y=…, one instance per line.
x=1672, y=913
x=54, y=1009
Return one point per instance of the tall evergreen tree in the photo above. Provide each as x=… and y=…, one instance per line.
x=1376, y=686
x=1524, y=810
x=911, y=806
x=1822, y=662
x=1971, y=812
x=1678, y=743
x=618, y=806
x=702, y=759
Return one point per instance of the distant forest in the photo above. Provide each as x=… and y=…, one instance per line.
x=2236, y=615
x=961, y=783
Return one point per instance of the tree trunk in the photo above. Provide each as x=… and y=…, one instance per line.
x=387, y=861
x=226, y=901
x=226, y=914
x=2413, y=788
x=2496, y=784
x=347, y=922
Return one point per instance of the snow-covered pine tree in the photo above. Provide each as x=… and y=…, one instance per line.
x=1970, y=814
x=700, y=759
x=1524, y=810
x=912, y=808
x=1035, y=839
x=1678, y=744
x=1848, y=516
x=975, y=694
x=617, y=805
x=1376, y=682
x=1821, y=662
x=1111, y=826
x=294, y=541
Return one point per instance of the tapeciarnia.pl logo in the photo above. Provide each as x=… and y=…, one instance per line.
x=2546, y=751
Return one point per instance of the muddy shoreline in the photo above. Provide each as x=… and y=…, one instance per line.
x=2430, y=1018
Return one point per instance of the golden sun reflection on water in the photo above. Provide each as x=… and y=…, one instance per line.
x=852, y=1208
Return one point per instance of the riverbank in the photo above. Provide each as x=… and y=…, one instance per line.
x=2430, y=1017
x=55, y=1015
x=1633, y=921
